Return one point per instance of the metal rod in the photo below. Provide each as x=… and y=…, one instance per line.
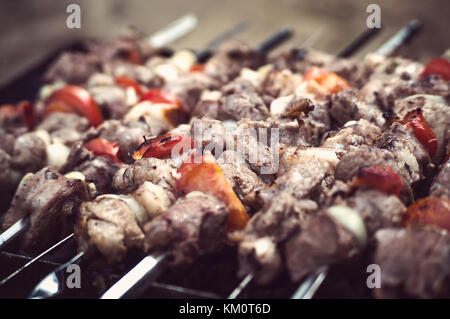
x=311, y=284
x=12, y=232
x=206, y=53
x=145, y=271
x=15, y=273
x=274, y=40
x=51, y=285
x=357, y=43
x=244, y=283
x=402, y=36
x=173, y=31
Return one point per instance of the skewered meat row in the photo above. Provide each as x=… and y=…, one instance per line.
x=240, y=95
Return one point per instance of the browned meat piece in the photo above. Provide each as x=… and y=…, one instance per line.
x=414, y=263
x=304, y=180
x=107, y=225
x=208, y=135
x=378, y=210
x=8, y=180
x=345, y=107
x=30, y=153
x=323, y=241
x=289, y=132
x=301, y=60
x=354, y=72
x=242, y=105
x=258, y=248
x=280, y=82
x=49, y=200
x=404, y=163
x=352, y=135
x=111, y=100
x=230, y=58
x=7, y=143
x=241, y=178
x=73, y=68
x=189, y=87
x=316, y=124
x=208, y=105
x=128, y=135
x=154, y=170
x=97, y=169
x=441, y=184
x=195, y=225
x=403, y=143
x=66, y=127
x=255, y=146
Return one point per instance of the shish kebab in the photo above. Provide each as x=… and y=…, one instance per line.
x=161, y=38
x=272, y=42
x=333, y=141
x=92, y=163
x=346, y=52
x=101, y=94
x=312, y=283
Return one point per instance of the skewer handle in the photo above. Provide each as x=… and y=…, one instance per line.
x=205, y=54
x=144, y=271
x=357, y=43
x=274, y=40
x=391, y=45
x=173, y=31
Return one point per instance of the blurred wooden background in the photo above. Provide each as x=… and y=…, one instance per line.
x=31, y=29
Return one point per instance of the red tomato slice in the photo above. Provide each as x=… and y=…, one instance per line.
x=75, y=99
x=162, y=146
x=126, y=82
x=383, y=178
x=329, y=81
x=439, y=66
x=197, y=68
x=207, y=177
x=429, y=211
x=415, y=121
x=103, y=147
x=28, y=114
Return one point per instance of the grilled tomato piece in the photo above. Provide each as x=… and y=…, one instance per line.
x=383, y=178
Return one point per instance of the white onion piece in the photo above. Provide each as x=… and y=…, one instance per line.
x=57, y=154
x=350, y=220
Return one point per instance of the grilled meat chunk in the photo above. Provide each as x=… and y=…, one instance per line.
x=193, y=226
x=30, y=153
x=73, y=68
x=67, y=128
x=97, y=169
x=414, y=263
x=441, y=184
x=128, y=135
x=345, y=107
x=323, y=241
x=154, y=170
x=49, y=200
x=273, y=224
x=107, y=225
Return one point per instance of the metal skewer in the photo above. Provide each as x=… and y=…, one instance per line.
x=15, y=273
x=52, y=284
x=206, y=53
x=137, y=278
x=173, y=31
x=401, y=37
x=12, y=232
